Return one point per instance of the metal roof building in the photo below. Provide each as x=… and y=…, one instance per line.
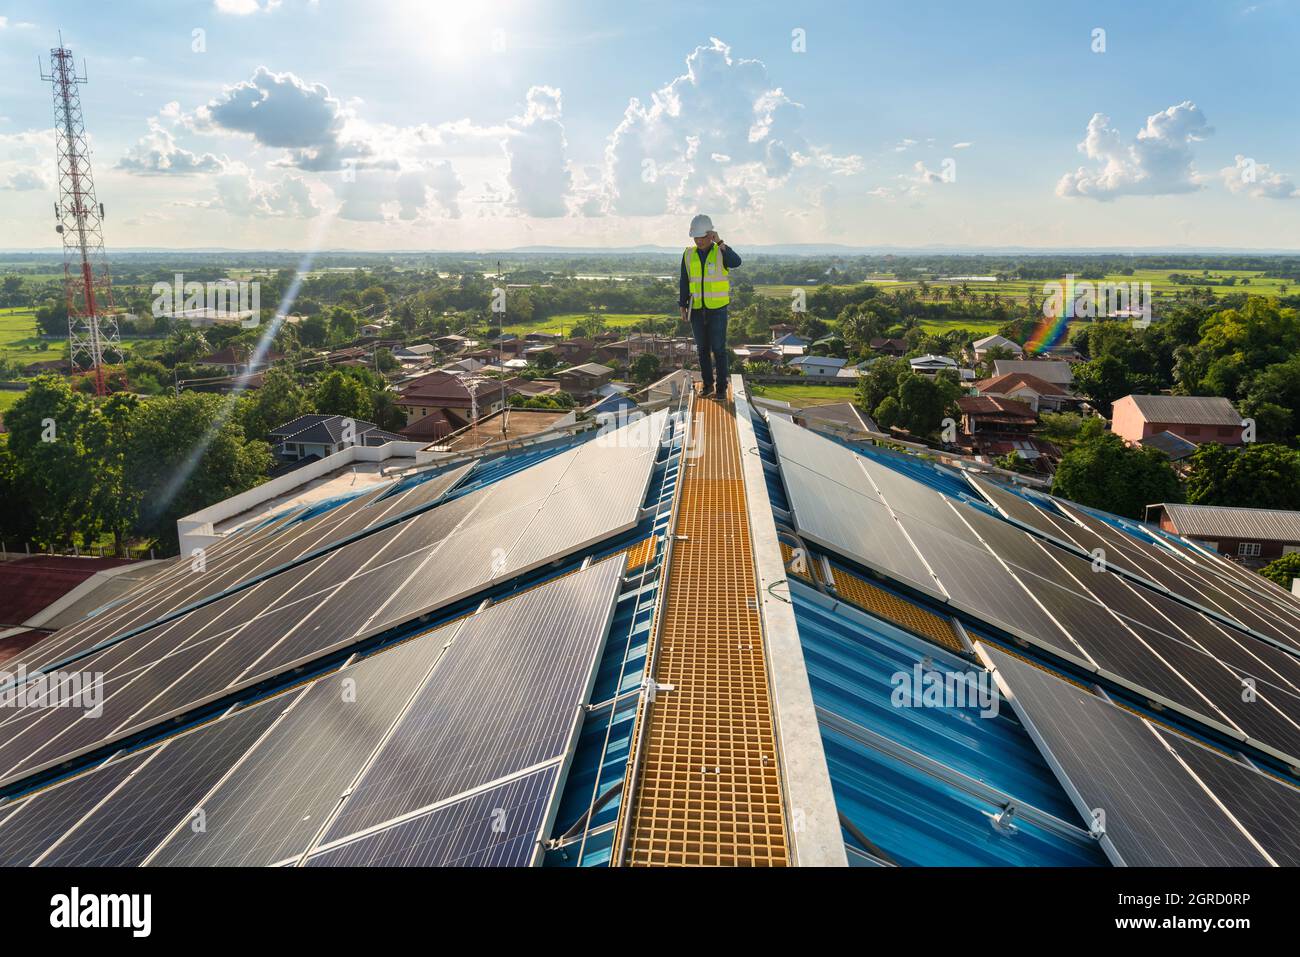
x=707, y=636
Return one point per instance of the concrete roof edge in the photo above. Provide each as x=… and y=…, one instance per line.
x=816, y=838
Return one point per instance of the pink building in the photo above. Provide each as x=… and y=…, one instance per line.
x=1198, y=419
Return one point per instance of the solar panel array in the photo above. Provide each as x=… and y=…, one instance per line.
x=1158, y=798
x=350, y=592
x=239, y=559
x=1126, y=628
x=447, y=748
x=1227, y=592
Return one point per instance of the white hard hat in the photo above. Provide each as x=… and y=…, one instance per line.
x=701, y=225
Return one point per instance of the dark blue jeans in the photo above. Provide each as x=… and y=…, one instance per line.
x=710, y=328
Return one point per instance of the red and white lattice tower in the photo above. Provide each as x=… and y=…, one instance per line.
x=93, y=336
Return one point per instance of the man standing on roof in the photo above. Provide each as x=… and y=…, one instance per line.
x=705, y=291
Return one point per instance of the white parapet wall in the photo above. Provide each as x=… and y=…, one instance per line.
x=197, y=530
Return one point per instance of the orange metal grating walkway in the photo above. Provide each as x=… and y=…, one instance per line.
x=708, y=791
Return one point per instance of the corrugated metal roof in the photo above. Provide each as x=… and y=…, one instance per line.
x=1190, y=409
x=1050, y=370
x=923, y=784
x=1213, y=521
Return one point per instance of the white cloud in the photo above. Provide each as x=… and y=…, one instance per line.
x=157, y=153
x=1258, y=180
x=279, y=110
x=538, y=174
x=382, y=195
x=962, y=146
x=1158, y=162
x=27, y=161
x=660, y=158
x=243, y=8
x=241, y=194
x=24, y=180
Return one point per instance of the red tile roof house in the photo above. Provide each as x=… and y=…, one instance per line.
x=995, y=426
x=443, y=391
x=1039, y=394
x=985, y=413
x=1198, y=419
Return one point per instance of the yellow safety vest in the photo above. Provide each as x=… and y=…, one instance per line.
x=710, y=287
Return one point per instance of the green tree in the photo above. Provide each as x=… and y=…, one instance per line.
x=1283, y=570
x=645, y=368
x=48, y=439
x=1252, y=476
x=880, y=379
x=314, y=331
x=280, y=399
x=11, y=291
x=886, y=414
x=1105, y=379
x=925, y=401
x=186, y=453
x=17, y=518
x=345, y=395
x=1102, y=472
x=52, y=318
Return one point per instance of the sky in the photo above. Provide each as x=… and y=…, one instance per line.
x=423, y=124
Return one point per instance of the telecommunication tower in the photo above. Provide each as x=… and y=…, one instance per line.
x=79, y=217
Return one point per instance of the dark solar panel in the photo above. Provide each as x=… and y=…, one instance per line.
x=981, y=586
x=854, y=525
x=506, y=697
x=264, y=551
x=278, y=798
x=841, y=466
x=46, y=816
x=499, y=827
x=123, y=830
x=1265, y=806
x=1155, y=813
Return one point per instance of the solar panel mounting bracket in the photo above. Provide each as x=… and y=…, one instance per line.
x=1004, y=821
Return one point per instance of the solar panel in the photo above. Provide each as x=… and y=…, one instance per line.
x=337, y=599
x=1152, y=811
x=1267, y=807
x=1152, y=643
x=499, y=827
x=856, y=525
x=506, y=697
x=225, y=569
x=981, y=586
x=45, y=816
x=1194, y=580
x=1152, y=562
x=794, y=443
x=276, y=800
x=134, y=820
